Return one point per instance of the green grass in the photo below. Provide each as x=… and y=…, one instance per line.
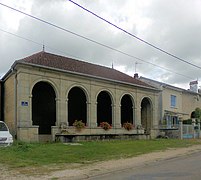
x=42, y=154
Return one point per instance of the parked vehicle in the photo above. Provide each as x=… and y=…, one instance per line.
x=6, y=138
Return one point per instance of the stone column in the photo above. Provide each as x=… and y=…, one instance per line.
x=88, y=114
x=138, y=116
x=117, y=117
x=134, y=116
x=154, y=119
x=67, y=112
x=93, y=114
x=58, y=109
x=62, y=104
x=30, y=110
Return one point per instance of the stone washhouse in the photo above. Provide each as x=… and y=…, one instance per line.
x=43, y=91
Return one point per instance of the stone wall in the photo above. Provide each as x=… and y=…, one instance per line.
x=62, y=82
x=9, y=104
x=191, y=101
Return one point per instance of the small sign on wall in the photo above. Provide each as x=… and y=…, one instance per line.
x=24, y=103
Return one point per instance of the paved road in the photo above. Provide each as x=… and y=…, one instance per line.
x=181, y=168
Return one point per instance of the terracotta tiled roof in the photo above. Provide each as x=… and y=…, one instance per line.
x=64, y=63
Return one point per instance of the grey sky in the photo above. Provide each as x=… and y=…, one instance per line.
x=173, y=25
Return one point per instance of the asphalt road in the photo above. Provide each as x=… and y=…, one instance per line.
x=181, y=168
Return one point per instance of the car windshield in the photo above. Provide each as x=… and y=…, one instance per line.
x=3, y=127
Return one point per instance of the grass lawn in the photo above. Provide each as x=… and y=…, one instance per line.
x=41, y=154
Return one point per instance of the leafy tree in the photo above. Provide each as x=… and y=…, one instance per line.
x=198, y=113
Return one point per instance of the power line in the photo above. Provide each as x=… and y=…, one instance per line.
x=132, y=35
x=42, y=44
x=93, y=41
x=21, y=37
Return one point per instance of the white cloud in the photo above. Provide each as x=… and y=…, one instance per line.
x=171, y=25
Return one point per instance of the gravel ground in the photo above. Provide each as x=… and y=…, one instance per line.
x=84, y=171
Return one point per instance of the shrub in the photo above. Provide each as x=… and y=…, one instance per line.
x=79, y=124
x=105, y=125
x=128, y=126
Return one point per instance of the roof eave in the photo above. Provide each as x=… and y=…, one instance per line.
x=86, y=75
x=8, y=74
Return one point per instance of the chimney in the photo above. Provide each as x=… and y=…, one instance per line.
x=136, y=76
x=194, y=86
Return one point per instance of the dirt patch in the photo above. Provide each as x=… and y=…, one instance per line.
x=78, y=171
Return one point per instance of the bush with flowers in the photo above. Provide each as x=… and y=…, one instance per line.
x=79, y=125
x=105, y=125
x=128, y=126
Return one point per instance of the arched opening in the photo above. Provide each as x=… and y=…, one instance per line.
x=126, y=109
x=193, y=115
x=77, y=106
x=146, y=115
x=43, y=107
x=104, y=108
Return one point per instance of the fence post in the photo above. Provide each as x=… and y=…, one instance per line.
x=193, y=124
x=198, y=129
x=181, y=128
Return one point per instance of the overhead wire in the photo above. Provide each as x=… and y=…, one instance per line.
x=41, y=44
x=91, y=40
x=134, y=36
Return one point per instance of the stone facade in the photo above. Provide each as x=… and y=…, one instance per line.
x=190, y=101
x=9, y=103
x=19, y=86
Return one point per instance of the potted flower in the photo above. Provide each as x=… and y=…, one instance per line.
x=79, y=125
x=105, y=125
x=128, y=126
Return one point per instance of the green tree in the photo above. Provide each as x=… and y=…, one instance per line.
x=198, y=113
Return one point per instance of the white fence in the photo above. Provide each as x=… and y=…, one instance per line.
x=182, y=131
x=190, y=131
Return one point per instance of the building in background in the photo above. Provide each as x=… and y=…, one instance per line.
x=194, y=86
x=175, y=103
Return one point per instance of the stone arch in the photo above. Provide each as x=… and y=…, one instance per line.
x=146, y=114
x=54, y=86
x=193, y=115
x=127, y=109
x=77, y=105
x=104, y=107
x=84, y=89
x=43, y=106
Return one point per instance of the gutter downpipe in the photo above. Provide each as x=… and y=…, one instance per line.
x=161, y=103
x=15, y=101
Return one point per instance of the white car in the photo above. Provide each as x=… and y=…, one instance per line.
x=6, y=139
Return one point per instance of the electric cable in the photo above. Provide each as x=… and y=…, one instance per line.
x=132, y=35
x=40, y=44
